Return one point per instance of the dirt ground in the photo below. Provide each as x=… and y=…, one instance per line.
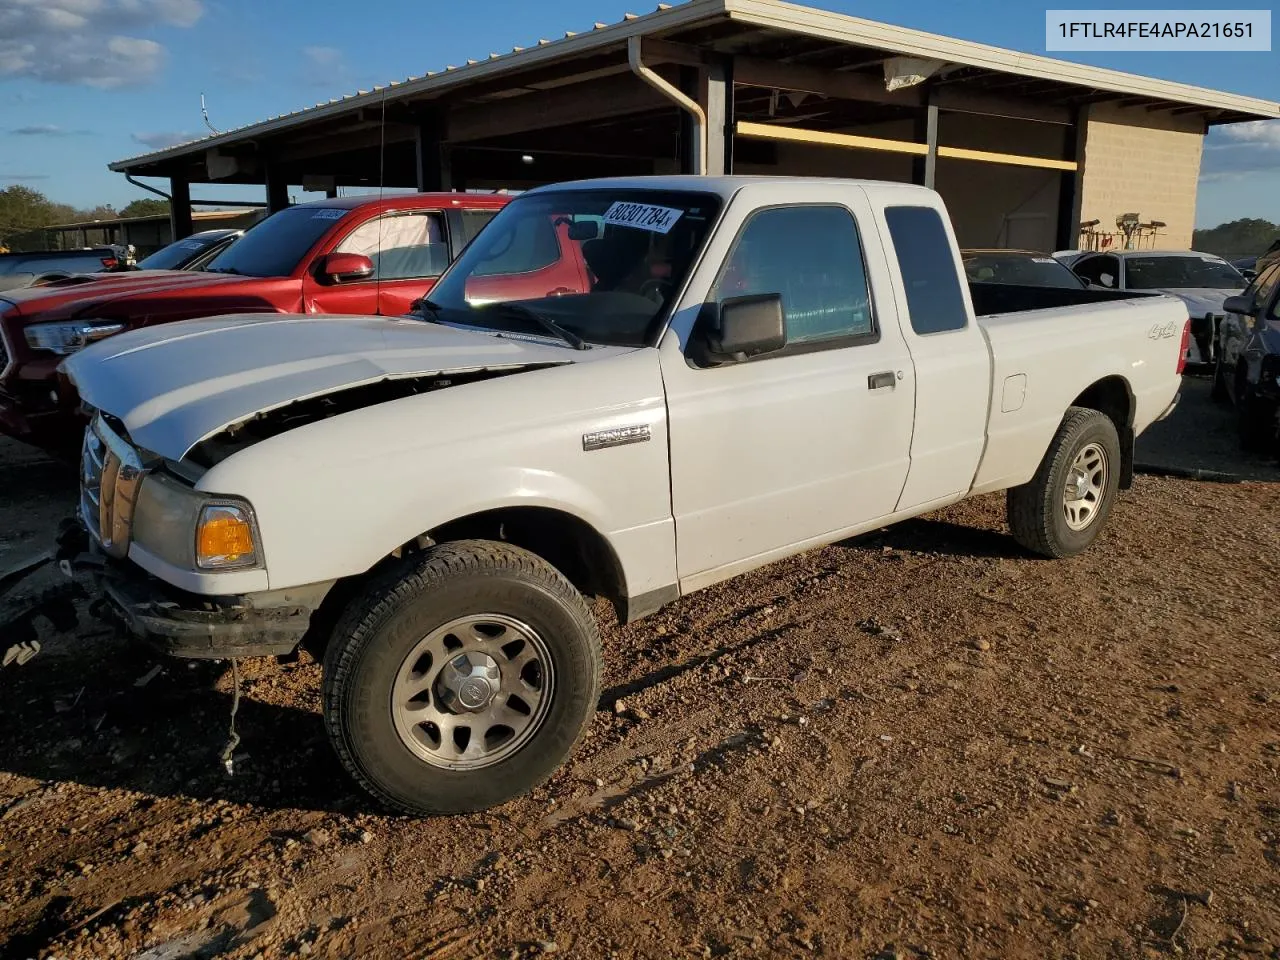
x=921, y=744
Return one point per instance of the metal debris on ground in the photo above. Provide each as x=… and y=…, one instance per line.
x=21, y=653
x=150, y=675
x=233, y=738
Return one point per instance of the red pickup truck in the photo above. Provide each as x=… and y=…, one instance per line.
x=359, y=255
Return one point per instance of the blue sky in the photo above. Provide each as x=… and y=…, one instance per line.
x=84, y=82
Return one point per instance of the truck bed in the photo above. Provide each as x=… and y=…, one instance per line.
x=994, y=299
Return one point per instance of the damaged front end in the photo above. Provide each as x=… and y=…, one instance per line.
x=270, y=423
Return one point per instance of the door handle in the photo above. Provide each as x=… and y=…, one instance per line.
x=878, y=381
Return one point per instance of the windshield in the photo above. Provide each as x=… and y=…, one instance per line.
x=1019, y=268
x=275, y=245
x=603, y=264
x=176, y=254
x=1157, y=273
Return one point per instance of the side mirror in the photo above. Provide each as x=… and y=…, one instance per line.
x=582, y=230
x=1250, y=275
x=345, y=267
x=1240, y=304
x=746, y=327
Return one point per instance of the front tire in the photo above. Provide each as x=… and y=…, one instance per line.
x=1063, y=508
x=462, y=679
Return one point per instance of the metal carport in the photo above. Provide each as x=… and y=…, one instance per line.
x=766, y=86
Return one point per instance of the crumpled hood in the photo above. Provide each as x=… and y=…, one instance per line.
x=1201, y=300
x=177, y=384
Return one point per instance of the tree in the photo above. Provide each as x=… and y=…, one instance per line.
x=1239, y=238
x=146, y=208
x=23, y=210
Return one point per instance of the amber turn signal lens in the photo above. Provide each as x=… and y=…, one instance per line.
x=224, y=538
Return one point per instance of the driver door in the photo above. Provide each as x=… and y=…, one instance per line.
x=771, y=454
x=409, y=250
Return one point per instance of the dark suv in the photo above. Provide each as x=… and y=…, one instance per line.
x=1248, y=365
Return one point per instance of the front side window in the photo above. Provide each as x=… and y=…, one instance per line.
x=934, y=300
x=402, y=246
x=603, y=264
x=1262, y=289
x=1101, y=271
x=811, y=256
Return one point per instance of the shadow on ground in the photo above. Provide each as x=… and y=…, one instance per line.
x=1202, y=435
x=78, y=715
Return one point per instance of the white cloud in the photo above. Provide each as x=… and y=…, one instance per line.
x=1237, y=150
x=45, y=130
x=1266, y=132
x=162, y=139
x=83, y=41
x=325, y=67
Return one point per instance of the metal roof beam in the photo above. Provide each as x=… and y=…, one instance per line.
x=561, y=107
x=849, y=86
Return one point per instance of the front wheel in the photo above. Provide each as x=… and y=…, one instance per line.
x=1063, y=508
x=461, y=680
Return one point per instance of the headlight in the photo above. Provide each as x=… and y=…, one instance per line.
x=67, y=337
x=191, y=530
x=224, y=538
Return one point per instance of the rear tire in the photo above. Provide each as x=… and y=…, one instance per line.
x=1063, y=508
x=461, y=679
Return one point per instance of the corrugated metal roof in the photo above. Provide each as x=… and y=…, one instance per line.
x=572, y=43
x=771, y=14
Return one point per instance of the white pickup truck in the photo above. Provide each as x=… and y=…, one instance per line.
x=738, y=369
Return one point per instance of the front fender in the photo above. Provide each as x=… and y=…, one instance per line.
x=334, y=497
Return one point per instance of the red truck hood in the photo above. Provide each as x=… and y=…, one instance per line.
x=74, y=299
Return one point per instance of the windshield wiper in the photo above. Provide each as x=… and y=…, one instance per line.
x=422, y=305
x=543, y=321
x=231, y=270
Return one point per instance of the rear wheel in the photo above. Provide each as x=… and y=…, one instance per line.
x=462, y=680
x=1063, y=508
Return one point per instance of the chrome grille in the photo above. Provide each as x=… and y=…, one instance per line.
x=110, y=471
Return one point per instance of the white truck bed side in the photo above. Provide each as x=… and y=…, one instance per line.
x=1137, y=340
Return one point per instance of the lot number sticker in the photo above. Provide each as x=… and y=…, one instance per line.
x=642, y=216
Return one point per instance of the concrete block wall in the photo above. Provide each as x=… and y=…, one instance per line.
x=1144, y=163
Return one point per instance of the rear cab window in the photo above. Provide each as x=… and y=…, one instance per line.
x=935, y=301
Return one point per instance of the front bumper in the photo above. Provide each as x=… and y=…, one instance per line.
x=218, y=628
x=28, y=413
x=184, y=624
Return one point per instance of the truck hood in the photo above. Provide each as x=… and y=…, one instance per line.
x=178, y=384
x=33, y=301
x=1201, y=300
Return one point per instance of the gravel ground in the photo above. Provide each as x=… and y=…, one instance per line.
x=921, y=744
